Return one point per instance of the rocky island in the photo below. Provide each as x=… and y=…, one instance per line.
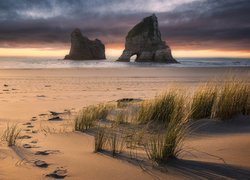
x=84, y=49
x=144, y=41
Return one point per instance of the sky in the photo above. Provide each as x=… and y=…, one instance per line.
x=192, y=28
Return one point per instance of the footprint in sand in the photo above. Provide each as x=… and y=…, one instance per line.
x=41, y=96
x=27, y=124
x=33, y=119
x=41, y=164
x=43, y=153
x=27, y=130
x=30, y=126
x=25, y=137
x=33, y=142
x=27, y=146
x=58, y=174
x=56, y=118
x=34, y=131
x=46, y=152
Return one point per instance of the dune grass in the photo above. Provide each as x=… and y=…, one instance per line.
x=116, y=142
x=162, y=108
x=203, y=101
x=233, y=99
x=86, y=117
x=110, y=140
x=11, y=134
x=161, y=147
x=121, y=117
x=100, y=139
x=165, y=120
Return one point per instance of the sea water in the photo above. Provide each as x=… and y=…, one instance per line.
x=40, y=63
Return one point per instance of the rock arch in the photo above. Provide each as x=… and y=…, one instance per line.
x=144, y=39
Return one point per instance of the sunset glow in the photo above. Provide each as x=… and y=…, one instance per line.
x=115, y=52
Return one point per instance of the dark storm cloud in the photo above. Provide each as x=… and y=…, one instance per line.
x=202, y=24
x=210, y=23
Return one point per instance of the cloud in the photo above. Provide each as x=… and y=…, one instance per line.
x=201, y=24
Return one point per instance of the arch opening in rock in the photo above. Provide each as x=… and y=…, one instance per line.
x=133, y=58
x=144, y=39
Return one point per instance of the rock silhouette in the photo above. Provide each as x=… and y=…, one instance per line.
x=84, y=49
x=144, y=41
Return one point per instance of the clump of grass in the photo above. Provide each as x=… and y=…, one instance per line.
x=167, y=145
x=109, y=141
x=116, y=143
x=121, y=117
x=86, y=117
x=162, y=108
x=203, y=101
x=11, y=134
x=233, y=99
x=100, y=139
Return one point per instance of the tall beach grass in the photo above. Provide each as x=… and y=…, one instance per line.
x=162, y=108
x=165, y=119
x=166, y=145
x=100, y=139
x=233, y=99
x=86, y=117
x=203, y=101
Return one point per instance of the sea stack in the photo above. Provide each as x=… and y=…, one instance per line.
x=144, y=41
x=84, y=49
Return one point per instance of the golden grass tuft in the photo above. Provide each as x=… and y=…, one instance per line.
x=233, y=99
x=100, y=139
x=86, y=117
x=161, y=147
x=116, y=142
x=121, y=117
x=11, y=134
x=203, y=101
x=162, y=108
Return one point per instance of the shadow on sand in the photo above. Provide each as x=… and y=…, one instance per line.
x=196, y=169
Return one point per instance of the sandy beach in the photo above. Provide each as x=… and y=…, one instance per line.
x=216, y=150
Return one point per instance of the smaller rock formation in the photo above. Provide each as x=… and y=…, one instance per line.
x=144, y=41
x=84, y=49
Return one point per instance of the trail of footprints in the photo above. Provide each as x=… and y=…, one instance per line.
x=59, y=172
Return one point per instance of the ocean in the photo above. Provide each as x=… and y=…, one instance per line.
x=41, y=63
